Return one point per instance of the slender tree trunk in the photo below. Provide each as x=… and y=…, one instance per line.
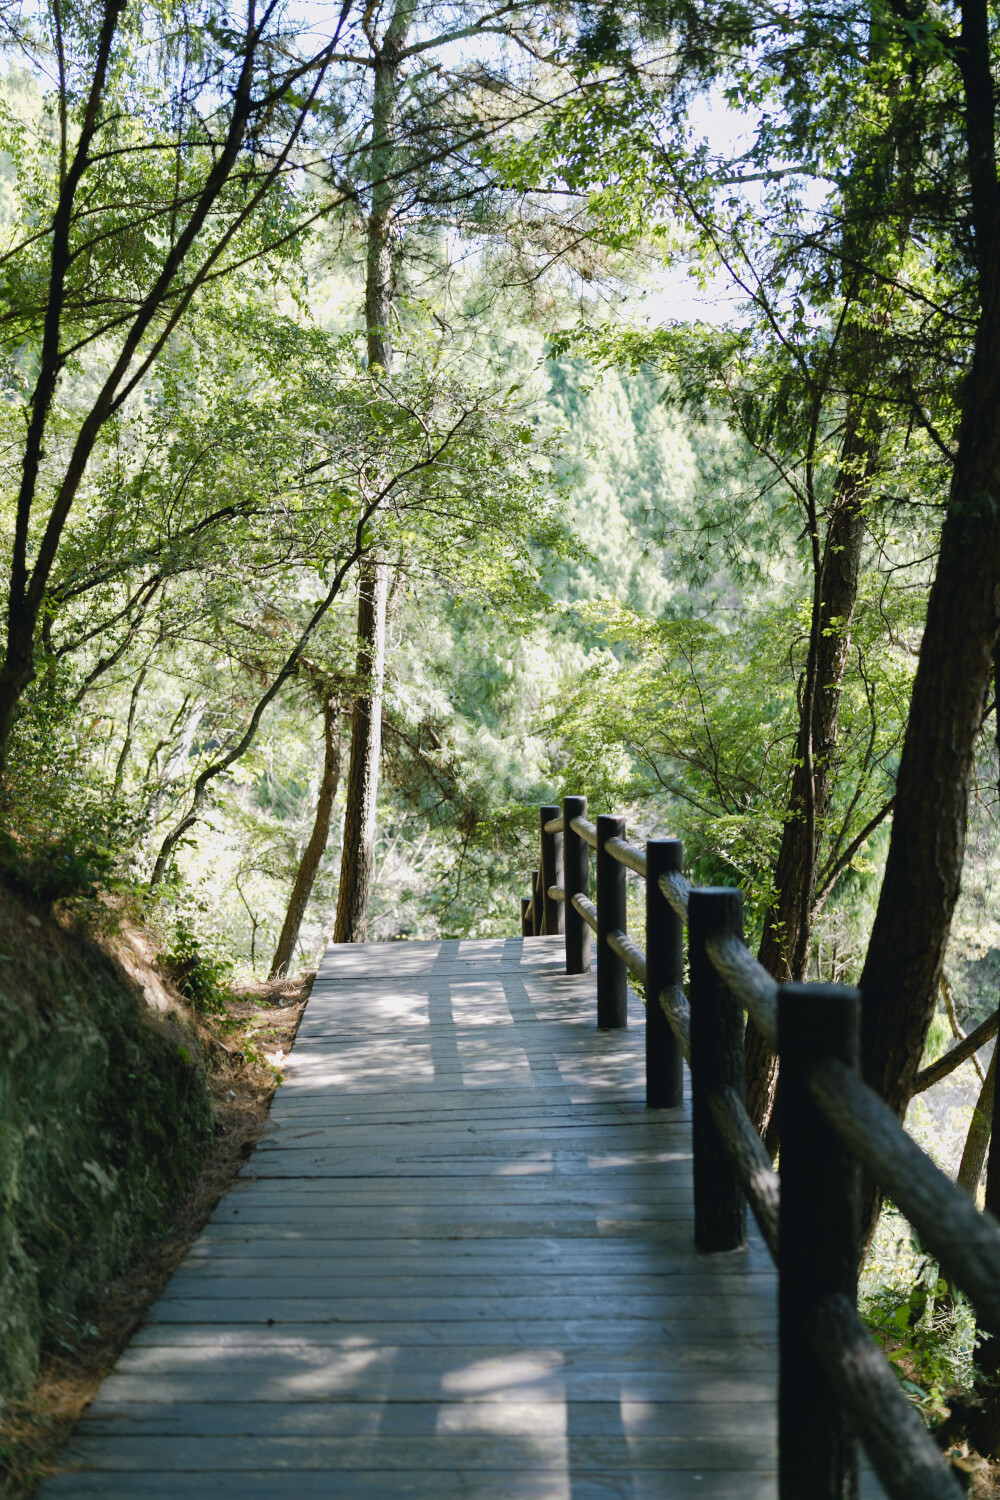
x=784, y=949
x=316, y=847
x=126, y=749
x=176, y=763
x=358, y=857
x=787, y=932
x=978, y=1139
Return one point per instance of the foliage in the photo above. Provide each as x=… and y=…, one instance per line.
x=198, y=969
x=55, y=871
x=698, y=716
x=928, y=1334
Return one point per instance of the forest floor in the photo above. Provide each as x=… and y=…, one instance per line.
x=244, y=1048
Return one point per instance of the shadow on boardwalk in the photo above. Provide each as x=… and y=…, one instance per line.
x=459, y=1264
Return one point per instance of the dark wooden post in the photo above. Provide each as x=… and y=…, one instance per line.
x=987, y=1428
x=820, y=1240
x=525, y=917
x=717, y=1026
x=537, y=910
x=552, y=870
x=612, y=975
x=576, y=882
x=664, y=969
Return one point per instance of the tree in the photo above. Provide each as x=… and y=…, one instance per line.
x=432, y=100
x=827, y=71
x=923, y=869
x=358, y=858
x=200, y=183
x=305, y=876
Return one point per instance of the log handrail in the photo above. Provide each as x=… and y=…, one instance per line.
x=832, y=1124
x=628, y=855
x=676, y=890
x=630, y=954
x=587, y=910
x=587, y=831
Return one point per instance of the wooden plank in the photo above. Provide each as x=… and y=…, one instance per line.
x=227, y=1384
x=460, y=1364
x=460, y=1264
x=376, y=1484
x=518, y=1415
x=681, y=1313
x=471, y=1453
x=570, y=1334
x=311, y=1282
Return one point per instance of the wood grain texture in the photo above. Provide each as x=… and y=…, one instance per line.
x=964, y=1241
x=717, y=1025
x=664, y=973
x=819, y=1240
x=904, y=1453
x=460, y=1264
x=753, y=1165
x=749, y=981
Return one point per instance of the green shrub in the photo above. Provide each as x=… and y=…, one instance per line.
x=928, y=1331
x=57, y=871
x=200, y=972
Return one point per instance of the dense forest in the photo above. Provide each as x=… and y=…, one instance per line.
x=418, y=412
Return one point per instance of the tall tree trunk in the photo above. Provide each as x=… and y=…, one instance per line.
x=787, y=934
x=784, y=949
x=358, y=857
x=305, y=876
x=909, y=938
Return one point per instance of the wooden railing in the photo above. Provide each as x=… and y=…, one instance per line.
x=835, y=1385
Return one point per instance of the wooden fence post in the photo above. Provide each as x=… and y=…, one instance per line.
x=525, y=917
x=612, y=975
x=988, y=1356
x=576, y=882
x=664, y=970
x=552, y=870
x=537, y=910
x=717, y=1060
x=819, y=1241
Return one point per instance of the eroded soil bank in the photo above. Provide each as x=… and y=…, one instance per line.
x=123, y=1118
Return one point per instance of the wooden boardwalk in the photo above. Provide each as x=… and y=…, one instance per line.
x=459, y=1264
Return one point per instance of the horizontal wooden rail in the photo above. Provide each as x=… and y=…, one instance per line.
x=676, y=890
x=557, y=893
x=630, y=953
x=628, y=855
x=935, y=1071
x=587, y=910
x=902, y=1451
x=674, y=1004
x=746, y=1150
x=966, y=1242
x=554, y=825
x=750, y=982
x=587, y=831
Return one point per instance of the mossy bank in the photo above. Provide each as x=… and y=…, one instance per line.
x=104, y=1114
